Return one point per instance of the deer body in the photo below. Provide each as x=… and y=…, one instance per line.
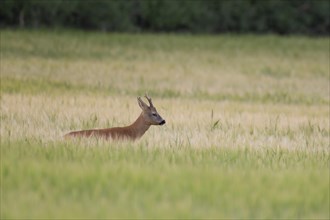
x=148, y=117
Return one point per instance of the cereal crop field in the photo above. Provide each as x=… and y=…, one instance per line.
x=247, y=132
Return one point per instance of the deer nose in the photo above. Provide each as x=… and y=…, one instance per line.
x=162, y=122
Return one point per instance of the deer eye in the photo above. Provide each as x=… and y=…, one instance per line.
x=154, y=114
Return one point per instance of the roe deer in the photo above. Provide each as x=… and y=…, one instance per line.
x=148, y=117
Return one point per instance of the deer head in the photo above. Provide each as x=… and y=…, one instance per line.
x=150, y=113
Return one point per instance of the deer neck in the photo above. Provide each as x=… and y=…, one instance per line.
x=140, y=126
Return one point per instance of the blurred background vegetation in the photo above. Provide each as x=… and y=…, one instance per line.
x=310, y=17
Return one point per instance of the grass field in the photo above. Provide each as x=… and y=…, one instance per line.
x=247, y=133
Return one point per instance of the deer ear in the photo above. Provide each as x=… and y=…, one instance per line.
x=142, y=105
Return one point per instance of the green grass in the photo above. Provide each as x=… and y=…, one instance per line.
x=66, y=181
x=247, y=133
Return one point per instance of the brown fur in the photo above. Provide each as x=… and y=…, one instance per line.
x=132, y=132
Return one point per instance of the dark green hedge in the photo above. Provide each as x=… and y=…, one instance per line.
x=196, y=16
